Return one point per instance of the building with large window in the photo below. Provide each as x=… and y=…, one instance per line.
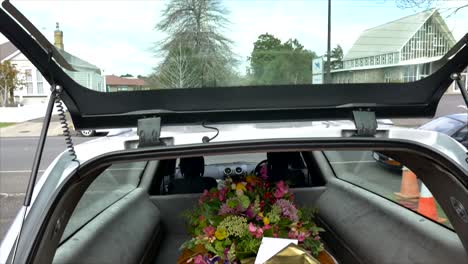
x=35, y=88
x=403, y=50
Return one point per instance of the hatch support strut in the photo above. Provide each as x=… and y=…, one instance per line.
x=40, y=148
x=456, y=77
x=365, y=122
x=36, y=162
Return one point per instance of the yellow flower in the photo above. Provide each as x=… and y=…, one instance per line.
x=260, y=214
x=266, y=221
x=220, y=233
x=241, y=186
x=251, y=179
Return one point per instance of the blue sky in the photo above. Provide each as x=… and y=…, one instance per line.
x=119, y=36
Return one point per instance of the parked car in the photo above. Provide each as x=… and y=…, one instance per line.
x=92, y=132
x=455, y=126
x=120, y=199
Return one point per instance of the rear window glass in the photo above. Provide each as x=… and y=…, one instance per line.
x=125, y=46
x=195, y=174
x=388, y=178
x=113, y=184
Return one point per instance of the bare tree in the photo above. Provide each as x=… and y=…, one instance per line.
x=417, y=4
x=414, y=3
x=197, y=25
x=177, y=71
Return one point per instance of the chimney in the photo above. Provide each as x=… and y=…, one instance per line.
x=58, y=37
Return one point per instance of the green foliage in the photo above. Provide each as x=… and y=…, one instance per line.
x=336, y=58
x=248, y=247
x=273, y=62
x=311, y=245
x=9, y=82
x=127, y=75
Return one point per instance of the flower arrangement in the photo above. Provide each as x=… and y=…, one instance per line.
x=229, y=223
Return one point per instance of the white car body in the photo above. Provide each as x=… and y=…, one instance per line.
x=185, y=135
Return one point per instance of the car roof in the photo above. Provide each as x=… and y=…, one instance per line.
x=187, y=135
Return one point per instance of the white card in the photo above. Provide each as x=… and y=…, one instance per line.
x=270, y=246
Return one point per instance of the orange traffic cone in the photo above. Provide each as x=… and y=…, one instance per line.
x=427, y=205
x=409, y=189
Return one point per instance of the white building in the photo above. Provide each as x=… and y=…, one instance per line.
x=404, y=50
x=36, y=89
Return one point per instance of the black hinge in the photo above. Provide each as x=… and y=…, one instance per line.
x=149, y=130
x=366, y=123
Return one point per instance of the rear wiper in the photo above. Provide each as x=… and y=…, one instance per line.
x=41, y=39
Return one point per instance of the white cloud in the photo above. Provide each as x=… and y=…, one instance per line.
x=118, y=35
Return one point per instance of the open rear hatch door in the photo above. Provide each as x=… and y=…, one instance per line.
x=93, y=109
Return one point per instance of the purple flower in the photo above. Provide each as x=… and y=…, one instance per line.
x=213, y=260
x=250, y=212
x=288, y=209
x=226, y=210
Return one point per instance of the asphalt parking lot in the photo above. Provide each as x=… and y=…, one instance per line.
x=16, y=156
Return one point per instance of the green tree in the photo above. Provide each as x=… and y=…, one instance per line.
x=126, y=75
x=9, y=82
x=196, y=51
x=273, y=62
x=336, y=59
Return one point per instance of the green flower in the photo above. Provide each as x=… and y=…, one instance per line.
x=257, y=205
x=235, y=225
x=232, y=203
x=275, y=214
x=244, y=201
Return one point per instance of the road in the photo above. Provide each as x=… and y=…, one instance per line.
x=16, y=155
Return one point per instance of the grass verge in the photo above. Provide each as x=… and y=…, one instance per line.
x=5, y=124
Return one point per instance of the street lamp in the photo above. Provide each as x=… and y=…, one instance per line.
x=328, y=74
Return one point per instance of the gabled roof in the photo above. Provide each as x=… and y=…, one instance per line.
x=6, y=49
x=391, y=36
x=77, y=62
x=120, y=81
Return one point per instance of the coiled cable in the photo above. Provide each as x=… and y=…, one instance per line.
x=65, y=129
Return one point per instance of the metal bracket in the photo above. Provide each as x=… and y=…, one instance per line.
x=366, y=123
x=457, y=78
x=149, y=130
